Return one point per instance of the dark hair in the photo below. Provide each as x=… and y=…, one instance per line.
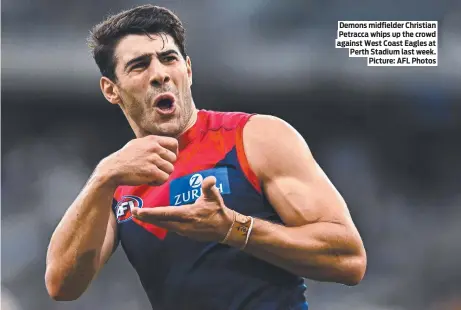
x=147, y=19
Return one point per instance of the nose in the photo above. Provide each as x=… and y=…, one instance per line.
x=159, y=75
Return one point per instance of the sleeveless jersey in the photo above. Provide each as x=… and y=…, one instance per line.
x=180, y=273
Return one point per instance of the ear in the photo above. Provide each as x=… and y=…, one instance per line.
x=109, y=90
x=189, y=69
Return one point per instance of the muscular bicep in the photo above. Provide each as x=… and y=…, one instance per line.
x=295, y=185
x=302, y=199
x=110, y=240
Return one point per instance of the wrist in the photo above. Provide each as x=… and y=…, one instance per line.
x=240, y=231
x=104, y=176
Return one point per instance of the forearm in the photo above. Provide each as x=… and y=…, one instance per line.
x=75, y=247
x=320, y=251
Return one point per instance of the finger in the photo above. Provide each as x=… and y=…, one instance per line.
x=169, y=225
x=162, y=214
x=209, y=189
x=168, y=143
x=162, y=164
x=157, y=175
x=167, y=155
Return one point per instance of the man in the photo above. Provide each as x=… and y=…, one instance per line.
x=214, y=210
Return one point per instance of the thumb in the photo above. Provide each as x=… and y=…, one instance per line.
x=209, y=189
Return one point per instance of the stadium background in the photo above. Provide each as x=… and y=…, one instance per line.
x=387, y=137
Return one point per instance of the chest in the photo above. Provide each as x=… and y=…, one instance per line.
x=184, y=187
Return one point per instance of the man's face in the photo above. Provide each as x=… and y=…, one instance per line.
x=153, y=83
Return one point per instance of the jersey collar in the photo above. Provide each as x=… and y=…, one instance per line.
x=196, y=131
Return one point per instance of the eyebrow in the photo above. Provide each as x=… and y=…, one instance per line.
x=147, y=56
x=166, y=53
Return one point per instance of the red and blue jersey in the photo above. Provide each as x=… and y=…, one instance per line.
x=180, y=273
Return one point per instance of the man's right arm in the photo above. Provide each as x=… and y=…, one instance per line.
x=85, y=238
x=82, y=242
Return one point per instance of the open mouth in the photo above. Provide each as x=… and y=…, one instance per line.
x=165, y=103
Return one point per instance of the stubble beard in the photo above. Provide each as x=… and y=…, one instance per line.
x=148, y=121
x=185, y=106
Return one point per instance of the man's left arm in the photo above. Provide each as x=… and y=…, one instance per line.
x=318, y=240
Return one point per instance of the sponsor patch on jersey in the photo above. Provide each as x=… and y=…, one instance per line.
x=124, y=206
x=187, y=189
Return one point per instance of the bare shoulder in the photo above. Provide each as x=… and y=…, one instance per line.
x=264, y=128
x=272, y=144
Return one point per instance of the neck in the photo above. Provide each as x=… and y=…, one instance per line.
x=190, y=122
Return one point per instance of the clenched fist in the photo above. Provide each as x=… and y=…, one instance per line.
x=147, y=160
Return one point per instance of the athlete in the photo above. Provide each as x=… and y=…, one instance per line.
x=214, y=210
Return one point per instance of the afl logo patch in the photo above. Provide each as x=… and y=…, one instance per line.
x=124, y=206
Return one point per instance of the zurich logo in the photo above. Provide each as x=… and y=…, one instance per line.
x=187, y=189
x=196, y=180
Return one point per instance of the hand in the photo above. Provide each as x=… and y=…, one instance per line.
x=147, y=160
x=208, y=219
